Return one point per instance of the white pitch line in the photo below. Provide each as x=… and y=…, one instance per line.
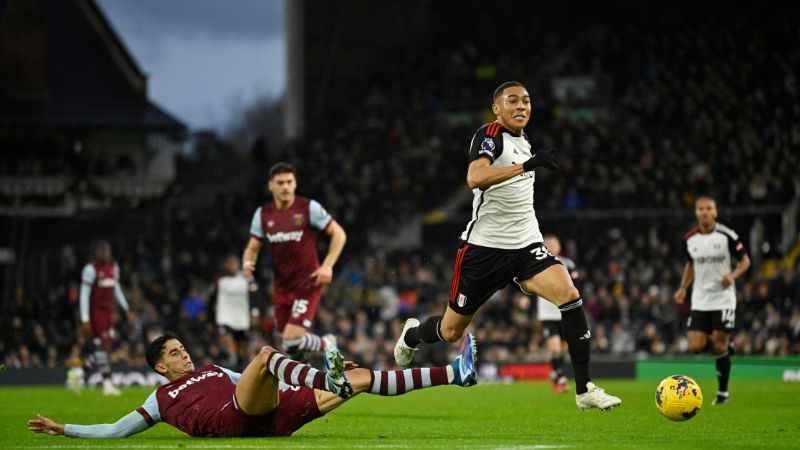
x=285, y=445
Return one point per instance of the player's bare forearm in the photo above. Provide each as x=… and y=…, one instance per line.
x=482, y=175
x=688, y=276
x=741, y=267
x=686, y=279
x=336, y=245
x=250, y=256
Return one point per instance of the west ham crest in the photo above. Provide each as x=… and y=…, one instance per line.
x=298, y=219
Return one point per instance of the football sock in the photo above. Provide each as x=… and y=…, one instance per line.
x=398, y=382
x=577, y=334
x=557, y=362
x=292, y=348
x=308, y=342
x=723, y=370
x=102, y=364
x=427, y=332
x=295, y=373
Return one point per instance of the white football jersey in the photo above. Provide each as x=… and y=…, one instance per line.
x=233, y=302
x=712, y=256
x=546, y=310
x=503, y=215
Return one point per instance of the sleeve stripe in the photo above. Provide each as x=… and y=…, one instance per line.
x=691, y=233
x=727, y=231
x=487, y=154
x=146, y=416
x=256, y=237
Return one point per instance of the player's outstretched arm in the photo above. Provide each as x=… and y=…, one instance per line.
x=44, y=425
x=127, y=426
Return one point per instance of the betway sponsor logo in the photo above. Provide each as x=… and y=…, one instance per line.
x=282, y=236
x=714, y=259
x=106, y=282
x=210, y=374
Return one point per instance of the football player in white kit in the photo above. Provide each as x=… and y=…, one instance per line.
x=502, y=243
x=233, y=311
x=711, y=249
x=550, y=320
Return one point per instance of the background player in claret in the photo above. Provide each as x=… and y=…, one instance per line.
x=99, y=287
x=289, y=223
x=711, y=248
x=502, y=243
x=550, y=320
x=214, y=401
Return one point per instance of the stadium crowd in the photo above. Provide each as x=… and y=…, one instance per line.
x=697, y=108
x=627, y=286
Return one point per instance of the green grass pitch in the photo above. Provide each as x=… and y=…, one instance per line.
x=762, y=414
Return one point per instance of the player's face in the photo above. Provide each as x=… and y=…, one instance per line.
x=706, y=211
x=553, y=244
x=104, y=252
x=282, y=187
x=176, y=361
x=232, y=264
x=513, y=108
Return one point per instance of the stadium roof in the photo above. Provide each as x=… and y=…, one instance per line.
x=62, y=65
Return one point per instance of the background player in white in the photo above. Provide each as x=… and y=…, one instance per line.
x=99, y=287
x=550, y=320
x=502, y=243
x=289, y=223
x=233, y=310
x=711, y=248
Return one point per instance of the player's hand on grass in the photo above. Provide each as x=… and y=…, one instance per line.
x=542, y=158
x=323, y=275
x=45, y=426
x=727, y=280
x=680, y=295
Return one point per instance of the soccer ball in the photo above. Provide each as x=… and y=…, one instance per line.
x=678, y=397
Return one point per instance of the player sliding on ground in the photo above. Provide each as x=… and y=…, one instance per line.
x=214, y=401
x=502, y=243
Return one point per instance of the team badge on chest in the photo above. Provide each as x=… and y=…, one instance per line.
x=298, y=219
